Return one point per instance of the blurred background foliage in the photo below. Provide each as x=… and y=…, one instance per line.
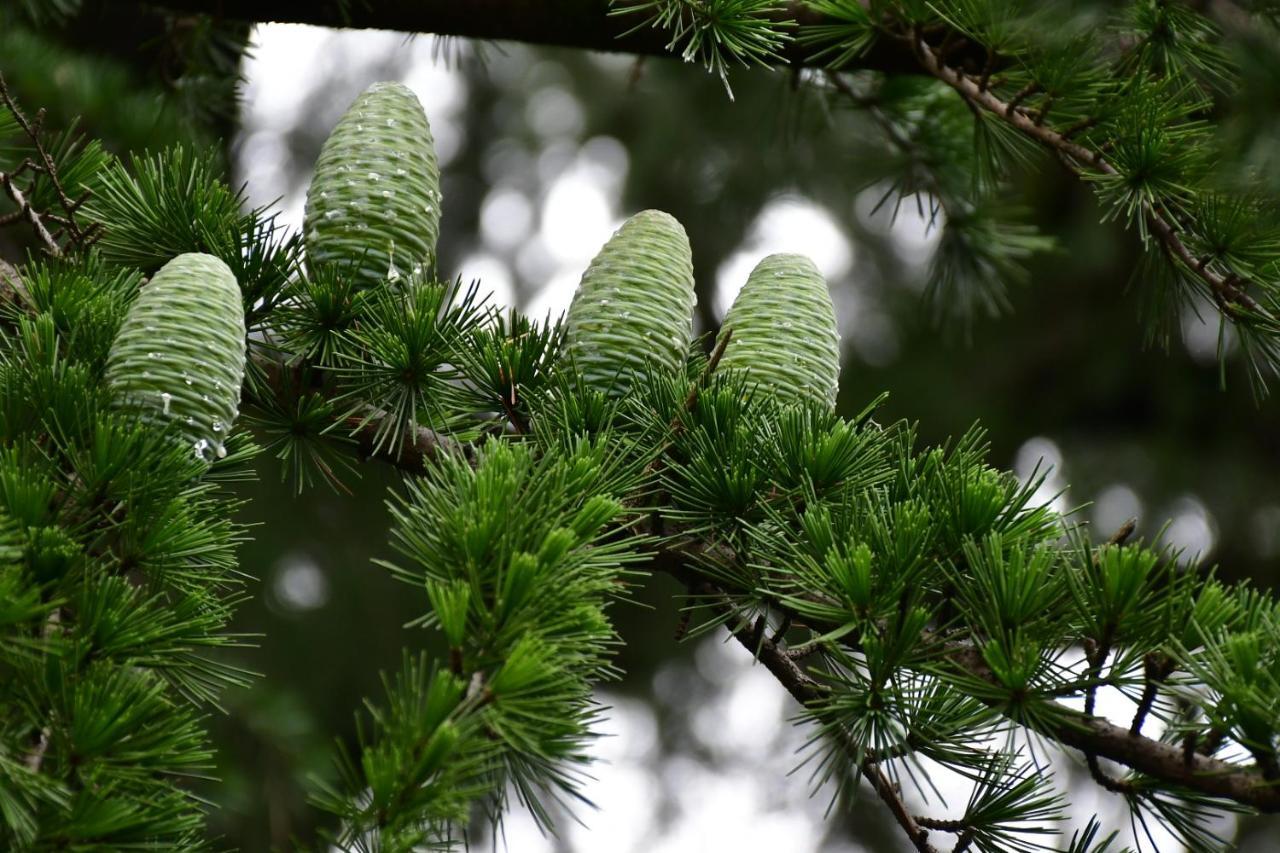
x=529, y=137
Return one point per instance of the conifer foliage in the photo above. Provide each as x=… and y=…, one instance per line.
x=919, y=604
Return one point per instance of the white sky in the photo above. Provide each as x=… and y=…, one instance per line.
x=550, y=236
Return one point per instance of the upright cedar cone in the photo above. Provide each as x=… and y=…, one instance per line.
x=374, y=203
x=179, y=355
x=784, y=331
x=633, y=310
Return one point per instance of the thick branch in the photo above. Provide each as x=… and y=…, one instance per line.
x=1089, y=734
x=562, y=23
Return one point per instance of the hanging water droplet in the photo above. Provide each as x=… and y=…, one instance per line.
x=332, y=214
x=216, y=426
x=165, y=399
x=221, y=450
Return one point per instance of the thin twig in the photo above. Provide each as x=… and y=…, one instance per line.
x=33, y=129
x=35, y=758
x=1156, y=668
x=14, y=192
x=807, y=692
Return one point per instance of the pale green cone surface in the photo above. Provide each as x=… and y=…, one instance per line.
x=784, y=331
x=374, y=202
x=633, y=310
x=179, y=355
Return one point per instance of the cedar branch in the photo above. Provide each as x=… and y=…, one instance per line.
x=1230, y=294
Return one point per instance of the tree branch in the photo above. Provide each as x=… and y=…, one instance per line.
x=806, y=691
x=32, y=128
x=584, y=24
x=1091, y=735
x=1096, y=736
x=29, y=213
x=1227, y=289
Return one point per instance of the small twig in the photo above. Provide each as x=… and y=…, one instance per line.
x=676, y=426
x=803, y=650
x=808, y=692
x=953, y=826
x=987, y=68
x=1097, y=655
x=682, y=627
x=691, y=399
x=889, y=795
x=1123, y=532
x=27, y=212
x=33, y=130
x=1043, y=112
x=35, y=758
x=1156, y=668
x=1079, y=127
x=1023, y=93
x=518, y=423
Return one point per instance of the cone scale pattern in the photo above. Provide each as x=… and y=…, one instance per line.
x=784, y=331
x=374, y=203
x=633, y=310
x=179, y=356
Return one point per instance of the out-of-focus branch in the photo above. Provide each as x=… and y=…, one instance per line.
x=584, y=24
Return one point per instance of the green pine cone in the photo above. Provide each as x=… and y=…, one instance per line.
x=374, y=202
x=784, y=331
x=633, y=310
x=179, y=355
